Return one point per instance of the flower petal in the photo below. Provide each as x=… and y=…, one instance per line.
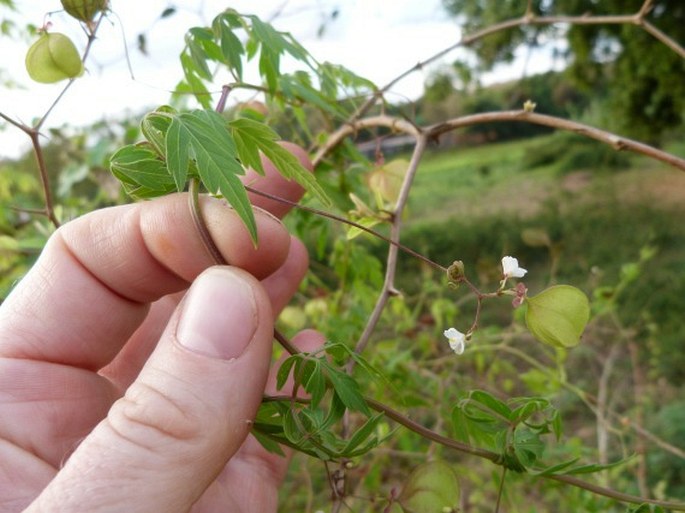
x=452, y=333
x=511, y=269
x=456, y=340
x=457, y=345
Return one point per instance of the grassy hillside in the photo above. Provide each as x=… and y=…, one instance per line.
x=503, y=179
x=481, y=203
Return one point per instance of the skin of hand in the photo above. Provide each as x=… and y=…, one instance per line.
x=131, y=366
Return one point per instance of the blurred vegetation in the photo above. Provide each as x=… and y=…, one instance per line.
x=644, y=97
x=609, y=223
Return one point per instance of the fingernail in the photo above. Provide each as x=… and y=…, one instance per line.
x=219, y=315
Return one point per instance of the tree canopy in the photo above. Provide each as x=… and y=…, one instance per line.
x=638, y=77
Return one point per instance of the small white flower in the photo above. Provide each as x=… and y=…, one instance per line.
x=511, y=269
x=456, y=339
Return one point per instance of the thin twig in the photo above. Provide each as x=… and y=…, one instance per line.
x=589, y=400
x=429, y=434
x=89, y=44
x=500, y=491
x=343, y=220
x=658, y=34
x=285, y=343
x=201, y=225
x=434, y=131
x=34, y=131
x=528, y=19
x=639, y=400
x=603, y=393
x=391, y=261
x=617, y=142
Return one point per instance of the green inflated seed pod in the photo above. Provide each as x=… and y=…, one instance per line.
x=53, y=57
x=84, y=10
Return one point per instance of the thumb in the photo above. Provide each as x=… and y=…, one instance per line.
x=188, y=412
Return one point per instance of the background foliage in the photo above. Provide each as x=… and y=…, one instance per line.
x=572, y=210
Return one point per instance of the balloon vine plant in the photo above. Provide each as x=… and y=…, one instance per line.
x=206, y=150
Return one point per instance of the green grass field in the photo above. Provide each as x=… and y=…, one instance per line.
x=494, y=180
x=476, y=204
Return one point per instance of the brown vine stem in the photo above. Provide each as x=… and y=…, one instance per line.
x=618, y=142
x=529, y=18
x=33, y=132
x=658, y=34
x=348, y=222
x=494, y=457
x=429, y=434
x=391, y=263
x=393, y=123
x=589, y=400
x=213, y=250
x=500, y=492
x=201, y=225
x=194, y=199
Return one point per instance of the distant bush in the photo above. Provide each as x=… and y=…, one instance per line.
x=666, y=468
x=568, y=152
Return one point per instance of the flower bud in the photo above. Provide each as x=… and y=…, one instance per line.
x=455, y=272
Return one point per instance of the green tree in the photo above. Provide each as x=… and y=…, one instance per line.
x=639, y=77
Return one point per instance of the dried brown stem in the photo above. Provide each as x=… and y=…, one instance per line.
x=391, y=262
x=529, y=18
x=639, y=399
x=33, y=132
x=456, y=445
x=602, y=405
x=348, y=222
x=494, y=457
x=434, y=131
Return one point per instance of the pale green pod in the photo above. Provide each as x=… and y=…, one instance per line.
x=53, y=57
x=84, y=10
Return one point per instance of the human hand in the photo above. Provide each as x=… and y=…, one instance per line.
x=119, y=391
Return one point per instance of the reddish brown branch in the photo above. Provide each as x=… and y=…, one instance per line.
x=617, y=142
x=529, y=18
x=399, y=125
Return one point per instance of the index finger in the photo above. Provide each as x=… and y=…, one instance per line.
x=93, y=284
x=94, y=281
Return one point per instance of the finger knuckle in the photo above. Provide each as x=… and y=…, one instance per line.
x=150, y=418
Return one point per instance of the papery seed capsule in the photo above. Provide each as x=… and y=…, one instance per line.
x=53, y=57
x=84, y=10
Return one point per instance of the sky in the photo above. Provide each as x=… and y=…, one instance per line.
x=377, y=39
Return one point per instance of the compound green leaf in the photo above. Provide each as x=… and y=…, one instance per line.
x=231, y=47
x=284, y=371
x=141, y=171
x=347, y=389
x=177, y=153
x=364, y=433
x=252, y=137
x=491, y=403
x=195, y=85
x=206, y=139
x=528, y=446
x=155, y=125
